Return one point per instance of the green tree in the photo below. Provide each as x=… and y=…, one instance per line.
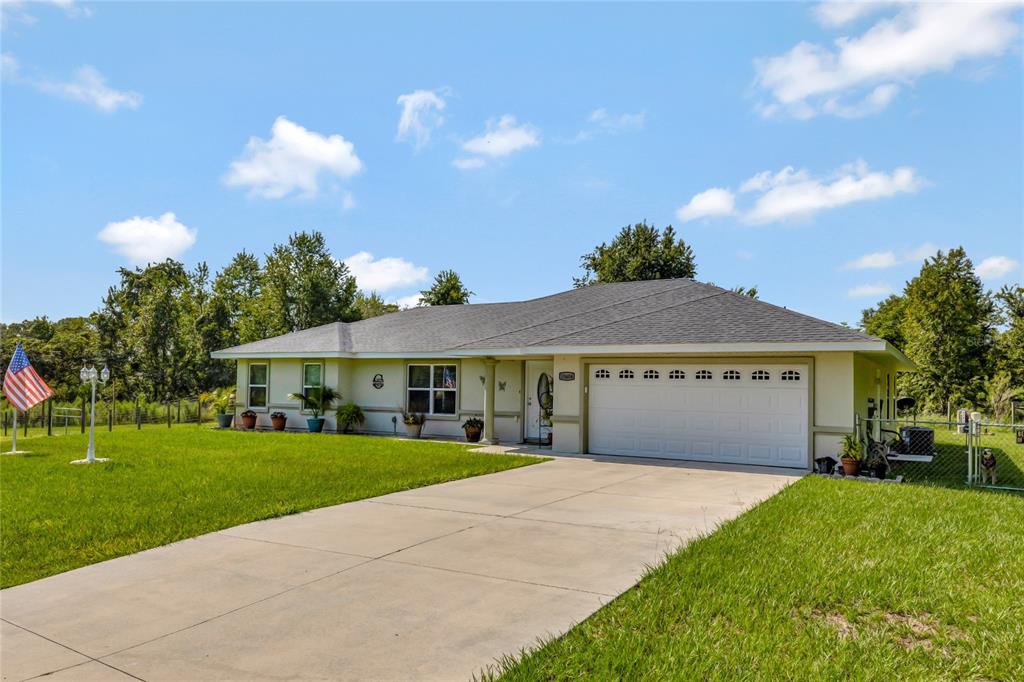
x=886, y=320
x=1008, y=356
x=236, y=292
x=304, y=286
x=638, y=252
x=750, y=292
x=949, y=329
x=447, y=289
x=373, y=305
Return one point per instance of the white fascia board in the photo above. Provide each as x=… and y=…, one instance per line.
x=235, y=355
x=684, y=348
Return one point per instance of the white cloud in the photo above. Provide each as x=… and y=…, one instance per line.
x=913, y=40
x=469, y=163
x=880, y=260
x=835, y=13
x=148, y=240
x=502, y=137
x=600, y=122
x=872, y=261
x=996, y=267
x=798, y=196
x=712, y=202
x=421, y=114
x=16, y=11
x=410, y=301
x=865, y=290
x=791, y=194
x=384, y=274
x=348, y=202
x=293, y=159
x=87, y=85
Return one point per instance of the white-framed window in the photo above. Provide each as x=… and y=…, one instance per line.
x=677, y=374
x=790, y=375
x=258, y=375
x=760, y=375
x=626, y=374
x=602, y=374
x=432, y=389
x=703, y=375
x=651, y=374
x=731, y=375
x=312, y=378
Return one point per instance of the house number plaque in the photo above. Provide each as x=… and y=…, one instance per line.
x=567, y=376
x=378, y=381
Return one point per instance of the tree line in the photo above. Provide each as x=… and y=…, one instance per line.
x=967, y=342
x=156, y=327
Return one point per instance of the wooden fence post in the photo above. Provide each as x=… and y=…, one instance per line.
x=49, y=417
x=110, y=417
x=81, y=421
x=138, y=415
x=168, y=414
x=199, y=410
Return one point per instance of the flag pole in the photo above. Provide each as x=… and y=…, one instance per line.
x=14, y=436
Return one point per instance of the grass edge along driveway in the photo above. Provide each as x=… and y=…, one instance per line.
x=826, y=580
x=162, y=486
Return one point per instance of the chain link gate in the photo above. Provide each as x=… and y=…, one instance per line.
x=995, y=455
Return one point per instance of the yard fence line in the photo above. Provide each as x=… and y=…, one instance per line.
x=53, y=419
x=959, y=447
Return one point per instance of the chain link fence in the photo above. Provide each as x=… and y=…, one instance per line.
x=952, y=453
x=53, y=418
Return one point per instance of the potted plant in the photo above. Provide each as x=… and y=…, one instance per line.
x=349, y=415
x=413, y=423
x=220, y=401
x=248, y=420
x=279, y=420
x=317, y=401
x=473, y=427
x=851, y=454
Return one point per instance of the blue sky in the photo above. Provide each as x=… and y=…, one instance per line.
x=816, y=151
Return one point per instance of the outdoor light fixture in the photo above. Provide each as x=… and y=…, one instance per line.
x=89, y=375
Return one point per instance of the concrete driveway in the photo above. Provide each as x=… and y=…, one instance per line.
x=433, y=583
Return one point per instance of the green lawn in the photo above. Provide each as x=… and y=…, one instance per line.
x=164, y=485
x=827, y=580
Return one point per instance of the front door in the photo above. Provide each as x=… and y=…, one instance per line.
x=540, y=398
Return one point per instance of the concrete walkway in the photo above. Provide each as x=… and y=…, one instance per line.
x=433, y=583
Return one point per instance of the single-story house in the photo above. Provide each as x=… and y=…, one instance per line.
x=664, y=368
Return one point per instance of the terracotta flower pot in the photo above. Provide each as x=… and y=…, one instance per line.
x=279, y=423
x=249, y=422
x=851, y=466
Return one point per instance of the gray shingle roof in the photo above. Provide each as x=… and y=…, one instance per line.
x=672, y=311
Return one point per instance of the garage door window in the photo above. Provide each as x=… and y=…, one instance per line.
x=626, y=374
x=790, y=375
x=703, y=375
x=731, y=375
x=602, y=374
x=760, y=375
x=651, y=374
x=677, y=374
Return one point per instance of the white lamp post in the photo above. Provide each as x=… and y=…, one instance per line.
x=91, y=376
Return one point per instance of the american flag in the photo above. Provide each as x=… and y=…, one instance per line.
x=23, y=388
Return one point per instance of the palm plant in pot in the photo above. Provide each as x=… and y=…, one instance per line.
x=317, y=401
x=413, y=423
x=851, y=454
x=473, y=427
x=349, y=415
x=220, y=401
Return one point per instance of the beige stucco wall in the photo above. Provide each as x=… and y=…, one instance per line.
x=842, y=384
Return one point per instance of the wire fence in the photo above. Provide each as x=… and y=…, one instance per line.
x=949, y=453
x=51, y=418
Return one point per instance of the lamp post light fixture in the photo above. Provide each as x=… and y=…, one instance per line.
x=89, y=375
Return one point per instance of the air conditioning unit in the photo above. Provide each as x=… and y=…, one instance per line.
x=917, y=440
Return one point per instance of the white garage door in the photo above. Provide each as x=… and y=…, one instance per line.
x=743, y=413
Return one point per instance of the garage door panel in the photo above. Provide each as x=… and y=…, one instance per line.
x=758, y=422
